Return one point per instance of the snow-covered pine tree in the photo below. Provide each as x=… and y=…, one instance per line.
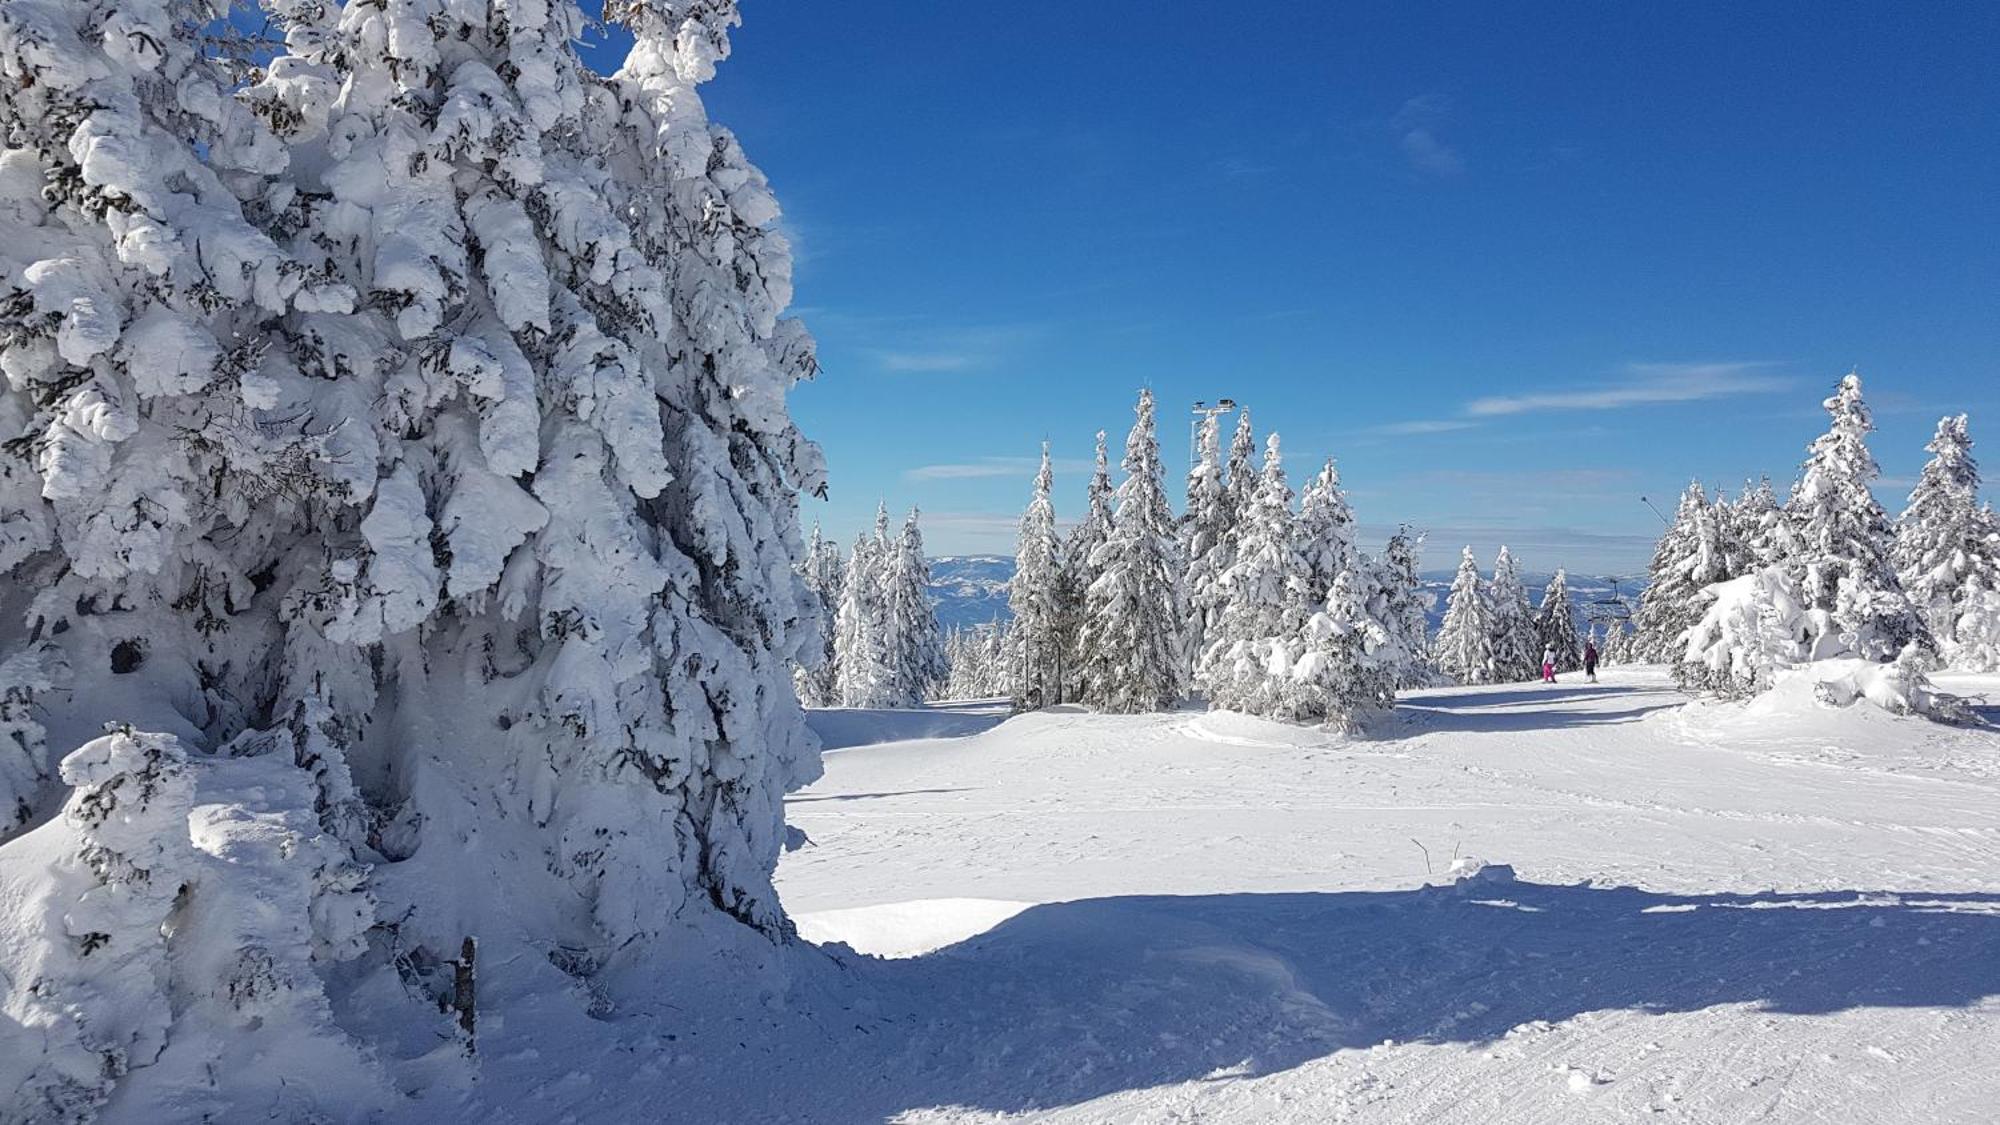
x=1325, y=533
x=861, y=639
x=1730, y=545
x=1464, y=645
x=1207, y=533
x=824, y=571
x=1844, y=539
x=418, y=448
x=1517, y=649
x=965, y=652
x=911, y=638
x=1555, y=624
x=1945, y=547
x=1408, y=605
x=1756, y=530
x=1350, y=654
x=1242, y=476
x=1079, y=568
x=1034, y=595
x=1976, y=633
x=1264, y=600
x=1746, y=631
x=1617, y=647
x=1133, y=656
x=996, y=644
x=1688, y=558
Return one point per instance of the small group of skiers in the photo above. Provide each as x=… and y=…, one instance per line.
x=1589, y=663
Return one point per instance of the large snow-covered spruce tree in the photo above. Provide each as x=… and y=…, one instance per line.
x=863, y=677
x=1034, y=594
x=1133, y=655
x=1757, y=534
x=1265, y=601
x=409, y=417
x=1517, y=648
x=1464, y=645
x=1325, y=533
x=1946, y=546
x=1844, y=539
x=1555, y=624
x=911, y=637
x=1208, y=532
x=1408, y=606
x=824, y=571
x=1080, y=566
x=1348, y=657
x=1241, y=475
x=1688, y=558
x=1976, y=633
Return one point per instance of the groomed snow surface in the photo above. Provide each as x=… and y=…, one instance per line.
x=1518, y=903
x=1779, y=912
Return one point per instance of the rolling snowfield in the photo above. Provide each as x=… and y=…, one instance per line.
x=1772, y=912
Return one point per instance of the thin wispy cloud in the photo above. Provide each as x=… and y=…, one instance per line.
x=1636, y=384
x=1643, y=384
x=929, y=363
x=948, y=349
x=1424, y=426
x=988, y=467
x=1416, y=127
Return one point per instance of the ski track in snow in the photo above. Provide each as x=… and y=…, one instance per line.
x=1206, y=918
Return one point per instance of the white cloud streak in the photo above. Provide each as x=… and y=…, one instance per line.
x=1424, y=426
x=987, y=467
x=1643, y=384
x=926, y=363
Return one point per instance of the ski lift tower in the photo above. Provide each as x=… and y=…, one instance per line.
x=1202, y=413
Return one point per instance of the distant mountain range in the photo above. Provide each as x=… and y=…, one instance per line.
x=971, y=590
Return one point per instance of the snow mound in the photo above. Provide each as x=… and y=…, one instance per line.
x=184, y=891
x=1471, y=871
x=907, y=929
x=1900, y=688
x=1233, y=728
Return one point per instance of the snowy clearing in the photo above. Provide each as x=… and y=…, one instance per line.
x=1711, y=918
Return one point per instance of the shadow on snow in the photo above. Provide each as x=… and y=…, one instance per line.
x=872, y=796
x=1529, y=708
x=839, y=728
x=1071, y=1001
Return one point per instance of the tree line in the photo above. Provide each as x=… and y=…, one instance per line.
x=1254, y=598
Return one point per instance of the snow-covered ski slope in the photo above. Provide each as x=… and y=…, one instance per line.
x=1717, y=915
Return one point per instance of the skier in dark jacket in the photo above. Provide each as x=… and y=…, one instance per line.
x=1590, y=660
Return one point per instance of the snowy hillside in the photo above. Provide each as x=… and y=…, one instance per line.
x=1776, y=912
x=970, y=589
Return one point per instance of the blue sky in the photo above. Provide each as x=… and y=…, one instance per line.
x=1514, y=265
